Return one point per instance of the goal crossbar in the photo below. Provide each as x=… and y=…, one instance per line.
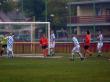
x=25, y=23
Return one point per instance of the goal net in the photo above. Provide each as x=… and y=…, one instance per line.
x=26, y=36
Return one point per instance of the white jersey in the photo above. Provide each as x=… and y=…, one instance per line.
x=52, y=40
x=10, y=42
x=100, y=42
x=76, y=43
x=52, y=37
x=100, y=37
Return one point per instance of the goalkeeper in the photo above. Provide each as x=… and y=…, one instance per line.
x=44, y=44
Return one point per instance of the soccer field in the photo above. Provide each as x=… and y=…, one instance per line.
x=92, y=69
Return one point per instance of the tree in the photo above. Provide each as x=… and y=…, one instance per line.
x=33, y=8
x=57, y=8
x=7, y=5
x=60, y=9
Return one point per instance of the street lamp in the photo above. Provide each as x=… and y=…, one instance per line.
x=22, y=6
x=51, y=18
x=52, y=15
x=69, y=17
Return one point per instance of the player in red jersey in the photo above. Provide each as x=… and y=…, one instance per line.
x=87, y=44
x=44, y=44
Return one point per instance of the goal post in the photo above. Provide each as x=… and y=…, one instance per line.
x=26, y=33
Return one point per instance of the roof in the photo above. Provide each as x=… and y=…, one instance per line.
x=89, y=2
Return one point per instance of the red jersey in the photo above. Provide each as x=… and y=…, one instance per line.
x=43, y=41
x=87, y=39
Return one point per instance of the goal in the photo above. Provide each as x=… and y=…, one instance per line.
x=26, y=35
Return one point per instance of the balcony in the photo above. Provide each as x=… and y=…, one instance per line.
x=89, y=19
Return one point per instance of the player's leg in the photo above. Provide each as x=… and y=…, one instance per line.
x=8, y=53
x=52, y=48
x=1, y=53
x=2, y=50
x=85, y=51
x=73, y=52
x=81, y=56
x=51, y=51
x=45, y=51
x=99, y=47
x=5, y=49
x=11, y=54
x=78, y=52
x=89, y=52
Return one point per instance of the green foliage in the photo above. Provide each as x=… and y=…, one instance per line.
x=7, y=5
x=57, y=8
x=33, y=8
x=60, y=10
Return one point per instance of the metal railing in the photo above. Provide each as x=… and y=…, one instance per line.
x=89, y=19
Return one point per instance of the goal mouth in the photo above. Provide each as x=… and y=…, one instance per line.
x=25, y=35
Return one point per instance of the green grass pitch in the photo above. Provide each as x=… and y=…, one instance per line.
x=54, y=70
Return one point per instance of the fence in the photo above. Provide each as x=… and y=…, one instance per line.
x=89, y=19
x=34, y=48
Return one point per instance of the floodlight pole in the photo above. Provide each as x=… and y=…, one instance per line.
x=94, y=19
x=70, y=17
x=22, y=6
x=45, y=10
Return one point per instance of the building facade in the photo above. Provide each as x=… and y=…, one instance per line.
x=90, y=15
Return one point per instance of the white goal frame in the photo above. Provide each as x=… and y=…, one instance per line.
x=31, y=23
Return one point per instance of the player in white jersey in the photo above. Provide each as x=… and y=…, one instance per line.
x=100, y=43
x=10, y=42
x=52, y=43
x=76, y=48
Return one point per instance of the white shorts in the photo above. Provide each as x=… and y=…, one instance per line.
x=76, y=48
x=99, y=45
x=9, y=48
x=52, y=44
x=10, y=51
